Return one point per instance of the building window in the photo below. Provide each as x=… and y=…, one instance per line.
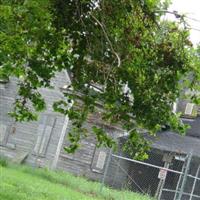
x=189, y=110
x=99, y=160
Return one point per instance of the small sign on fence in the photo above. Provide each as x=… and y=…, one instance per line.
x=162, y=174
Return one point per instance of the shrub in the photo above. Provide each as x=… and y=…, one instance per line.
x=3, y=162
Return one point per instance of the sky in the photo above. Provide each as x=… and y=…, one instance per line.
x=191, y=8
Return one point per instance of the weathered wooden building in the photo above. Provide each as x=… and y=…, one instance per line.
x=41, y=143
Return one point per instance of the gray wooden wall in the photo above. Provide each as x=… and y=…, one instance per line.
x=39, y=140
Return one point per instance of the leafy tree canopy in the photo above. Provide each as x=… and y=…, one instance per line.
x=123, y=58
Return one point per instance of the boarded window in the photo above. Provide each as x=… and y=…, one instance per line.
x=44, y=132
x=99, y=160
x=188, y=110
x=3, y=134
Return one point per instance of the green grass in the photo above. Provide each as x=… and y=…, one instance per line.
x=25, y=183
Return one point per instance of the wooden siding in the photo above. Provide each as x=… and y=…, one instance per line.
x=23, y=136
x=40, y=139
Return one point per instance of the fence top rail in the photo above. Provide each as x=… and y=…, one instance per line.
x=155, y=166
x=147, y=164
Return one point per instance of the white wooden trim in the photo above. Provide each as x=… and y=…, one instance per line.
x=62, y=135
x=60, y=142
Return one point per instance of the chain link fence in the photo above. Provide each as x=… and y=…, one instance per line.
x=164, y=176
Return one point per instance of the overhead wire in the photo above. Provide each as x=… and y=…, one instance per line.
x=196, y=29
x=177, y=15
x=191, y=18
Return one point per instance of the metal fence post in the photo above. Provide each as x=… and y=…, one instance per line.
x=106, y=170
x=194, y=184
x=167, y=158
x=179, y=182
x=180, y=194
x=162, y=182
